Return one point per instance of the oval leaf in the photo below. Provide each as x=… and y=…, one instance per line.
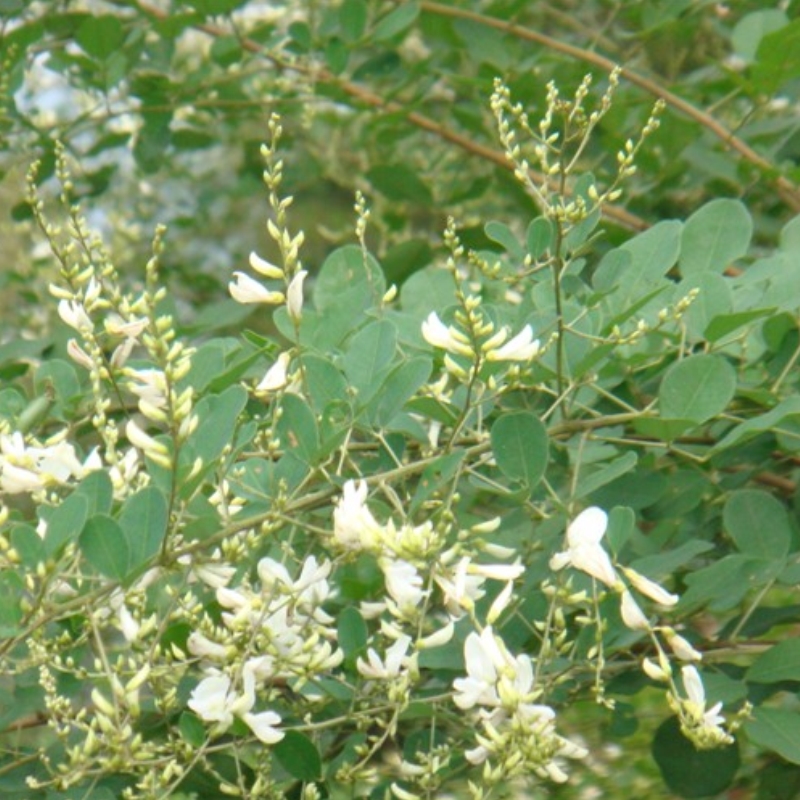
x=690, y=772
x=758, y=524
x=520, y=446
x=697, y=388
x=299, y=756
x=144, y=522
x=104, y=546
x=776, y=730
x=779, y=663
x=714, y=236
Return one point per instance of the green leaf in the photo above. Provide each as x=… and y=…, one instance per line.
x=500, y=232
x=297, y=428
x=430, y=288
x=778, y=58
x=225, y=51
x=353, y=19
x=105, y=547
x=192, y=729
x=607, y=473
x=697, y=388
x=776, y=729
x=400, y=386
x=751, y=29
x=352, y=633
x=57, y=376
x=539, y=237
x=690, y=772
x=348, y=283
x=714, y=298
x=396, y=21
x=758, y=524
x=29, y=545
x=12, y=590
x=100, y=36
x=218, y=416
x=520, y=447
x=655, y=251
x=368, y=355
x=325, y=382
x=724, y=324
x=780, y=663
x=434, y=477
x=715, y=236
x=785, y=410
x=144, y=523
x=399, y=183
x=66, y=522
x=638, y=267
x=98, y=490
x=723, y=584
x=299, y=756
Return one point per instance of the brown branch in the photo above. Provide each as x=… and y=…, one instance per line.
x=787, y=190
x=621, y=216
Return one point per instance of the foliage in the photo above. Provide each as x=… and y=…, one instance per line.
x=406, y=514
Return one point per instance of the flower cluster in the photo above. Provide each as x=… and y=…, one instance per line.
x=415, y=557
x=283, y=629
x=703, y=726
x=585, y=553
x=31, y=467
x=517, y=735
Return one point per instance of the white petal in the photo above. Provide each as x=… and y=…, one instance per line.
x=245, y=289
x=265, y=268
x=523, y=347
x=294, y=295
x=632, y=615
x=588, y=527
x=650, y=588
x=263, y=726
x=693, y=684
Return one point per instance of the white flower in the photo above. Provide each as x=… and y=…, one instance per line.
x=404, y=585
x=294, y=295
x=17, y=480
x=650, y=588
x=79, y=355
x=632, y=615
x=264, y=725
x=492, y=673
x=704, y=727
x=500, y=603
x=265, y=268
x=152, y=448
x=377, y=669
x=276, y=377
x=583, y=547
x=74, y=314
x=212, y=701
x=523, y=347
x=354, y=527
x=436, y=333
x=132, y=328
x=203, y=647
x=245, y=289
x=461, y=590
x=681, y=647
x=655, y=671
